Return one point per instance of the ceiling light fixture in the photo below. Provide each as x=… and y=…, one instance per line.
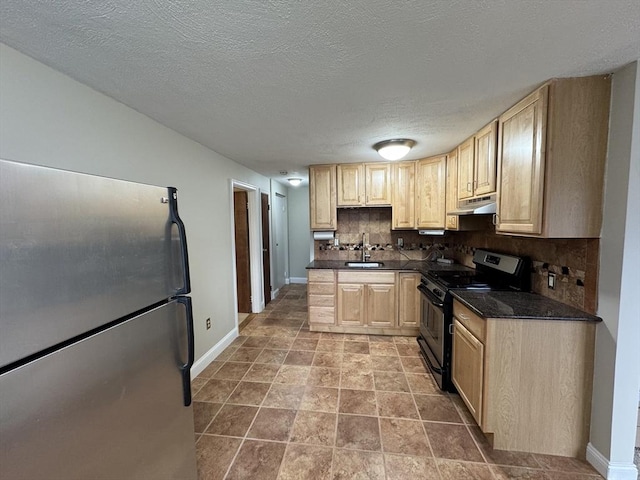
x=294, y=181
x=394, y=149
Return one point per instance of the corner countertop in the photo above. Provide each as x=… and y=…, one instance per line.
x=523, y=305
x=402, y=265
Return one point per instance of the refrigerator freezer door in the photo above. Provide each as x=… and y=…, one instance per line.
x=110, y=406
x=78, y=251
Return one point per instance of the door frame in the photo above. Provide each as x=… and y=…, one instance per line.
x=255, y=246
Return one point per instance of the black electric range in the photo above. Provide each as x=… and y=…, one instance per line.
x=494, y=271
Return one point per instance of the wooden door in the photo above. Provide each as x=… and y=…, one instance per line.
x=322, y=197
x=409, y=300
x=522, y=159
x=350, y=304
x=266, y=248
x=403, y=214
x=431, y=175
x=467, y=370
x=484, y=181
x=243, y=267
x=378, y=183
x=351, y=188
x=465, y=169
x=451, y=194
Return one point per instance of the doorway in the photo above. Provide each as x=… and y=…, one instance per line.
x=280, y=242
x=246, y=240
x=266, y=248
x=243, y=255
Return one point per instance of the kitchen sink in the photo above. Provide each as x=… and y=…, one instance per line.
x=364, y=264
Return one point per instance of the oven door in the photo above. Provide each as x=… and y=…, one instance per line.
x=432, y=334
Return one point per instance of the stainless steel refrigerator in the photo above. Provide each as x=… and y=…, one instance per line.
x=96, y=333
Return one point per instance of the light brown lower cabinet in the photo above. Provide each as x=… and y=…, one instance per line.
x=367, y=299
x=380, y=303
x=467, y=369
x=321, y=293
x=528, y=383
x=408, y=299
x=351, y=305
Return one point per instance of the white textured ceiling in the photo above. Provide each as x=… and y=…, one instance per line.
x=279, y=85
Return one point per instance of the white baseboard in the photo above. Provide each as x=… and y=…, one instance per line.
x=610, y=470
x=274, y=293
x=204, y=361
x=298, y=280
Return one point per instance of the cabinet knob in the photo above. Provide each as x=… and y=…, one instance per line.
x=468, y=186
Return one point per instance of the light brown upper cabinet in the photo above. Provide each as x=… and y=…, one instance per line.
x=403, y=213
x=451, y=198
x=430, y=187
x=484, y=160
x=322, y=197
x=552, y=148
x=351, y=190
x=362, y=185
x=477, y=163
x=465, y=168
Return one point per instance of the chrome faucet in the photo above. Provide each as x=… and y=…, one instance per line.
x=434, y=252
x=365, y=255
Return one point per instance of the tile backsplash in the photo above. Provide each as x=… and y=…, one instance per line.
x=574, y=261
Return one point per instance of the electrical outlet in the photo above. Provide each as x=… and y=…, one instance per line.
x=551, y=281
x=208, y=323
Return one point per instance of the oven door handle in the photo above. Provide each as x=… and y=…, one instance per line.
x=435, y=301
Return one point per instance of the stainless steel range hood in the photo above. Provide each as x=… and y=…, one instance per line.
x=476, y=206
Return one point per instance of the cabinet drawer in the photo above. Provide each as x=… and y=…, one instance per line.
x=325, y=276
x=321, y=289
x=474, y=323
x=325, y=315
x=321, y=300
x=366, y=277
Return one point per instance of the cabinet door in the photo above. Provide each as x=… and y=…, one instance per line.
x=351, y=304
x=351, y=185
x=484, y=181
x=381, y=305
x=378, y=183
x=522, y=157
x=403, y=196
x=430, y=208
x=468, y=369
x=409, y=300
x=451, y=195
x=465, y=169
x=322, y=197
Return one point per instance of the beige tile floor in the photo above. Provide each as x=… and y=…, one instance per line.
x=285, y=403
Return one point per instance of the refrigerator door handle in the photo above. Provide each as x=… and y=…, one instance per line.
x=175, y=218
x=185, y=369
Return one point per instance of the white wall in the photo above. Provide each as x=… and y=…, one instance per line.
x=300, y=242
x=617, y=362
x=47, y=118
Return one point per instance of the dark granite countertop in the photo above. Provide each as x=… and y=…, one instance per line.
x=511, y=304
x=403, y=265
